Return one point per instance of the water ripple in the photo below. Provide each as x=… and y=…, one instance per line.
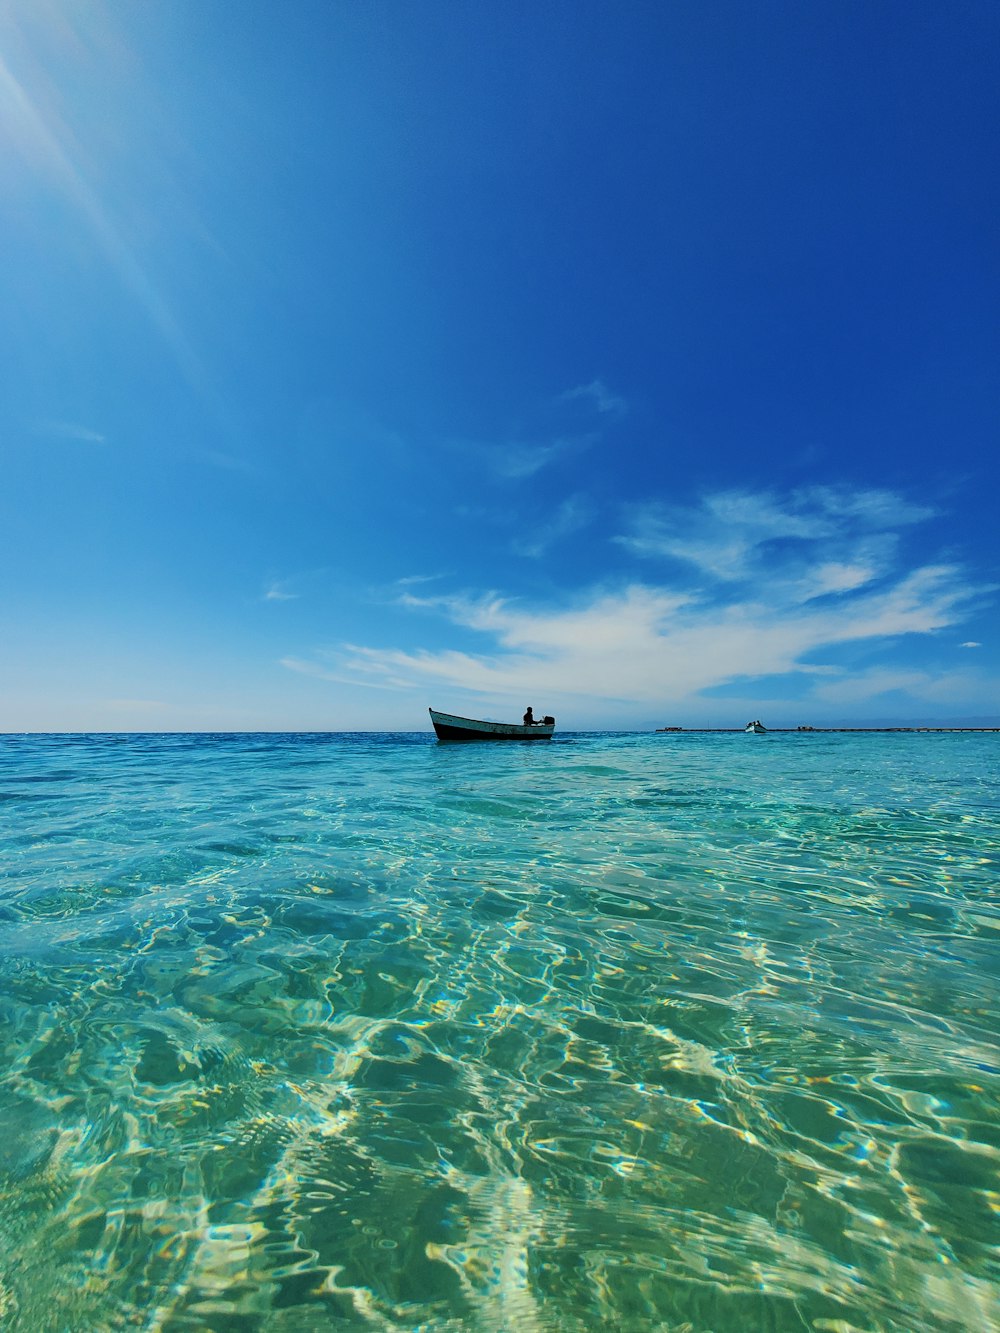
x=305, y=1030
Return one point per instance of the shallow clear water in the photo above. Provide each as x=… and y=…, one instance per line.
x=657, y=1032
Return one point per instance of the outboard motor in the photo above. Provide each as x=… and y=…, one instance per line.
x=549, y=721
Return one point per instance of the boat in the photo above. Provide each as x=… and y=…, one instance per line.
x=449, y=727
x=757, y=728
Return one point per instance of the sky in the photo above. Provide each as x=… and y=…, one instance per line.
x=637, y=361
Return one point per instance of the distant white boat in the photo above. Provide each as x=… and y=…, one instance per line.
x=757, y=728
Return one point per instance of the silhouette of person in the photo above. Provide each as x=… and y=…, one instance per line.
x=529, y=720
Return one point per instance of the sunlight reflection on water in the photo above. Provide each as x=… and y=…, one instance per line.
x=679, y=1032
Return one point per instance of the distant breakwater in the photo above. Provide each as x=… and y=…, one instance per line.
x=811, y=731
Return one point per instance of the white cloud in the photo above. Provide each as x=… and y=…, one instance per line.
x=648, y=644
x=763, y=514
x=873, y=508
x=822, y=541
x=661, y=645
x=591, y=649
x=836, y=576
x=723, y=535
x=970, y=643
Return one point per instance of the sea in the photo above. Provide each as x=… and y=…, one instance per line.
x=678, y=1032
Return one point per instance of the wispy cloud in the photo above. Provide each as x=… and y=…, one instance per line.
x=277, y=590
x=598, y=395
x=835, y=576
x=644, y=643
x=382, y=678
x=555, y=432
x=414, y=580
x=659, y=644
x=69, y=430
x=871, y=508
x=970, y=643
x=721, y=535
x=517, y=461
x=939, y=687
x=828, y=539
x=574, y=513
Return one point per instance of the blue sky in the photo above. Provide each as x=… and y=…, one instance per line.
x=637, y=361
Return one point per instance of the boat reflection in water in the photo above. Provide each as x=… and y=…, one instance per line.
x=450, y=727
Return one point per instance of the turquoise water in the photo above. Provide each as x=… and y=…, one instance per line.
x=688, y=1033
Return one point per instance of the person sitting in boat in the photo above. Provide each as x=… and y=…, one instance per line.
x=529, y=718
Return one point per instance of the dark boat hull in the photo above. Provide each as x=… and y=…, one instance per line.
x=450, y=727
